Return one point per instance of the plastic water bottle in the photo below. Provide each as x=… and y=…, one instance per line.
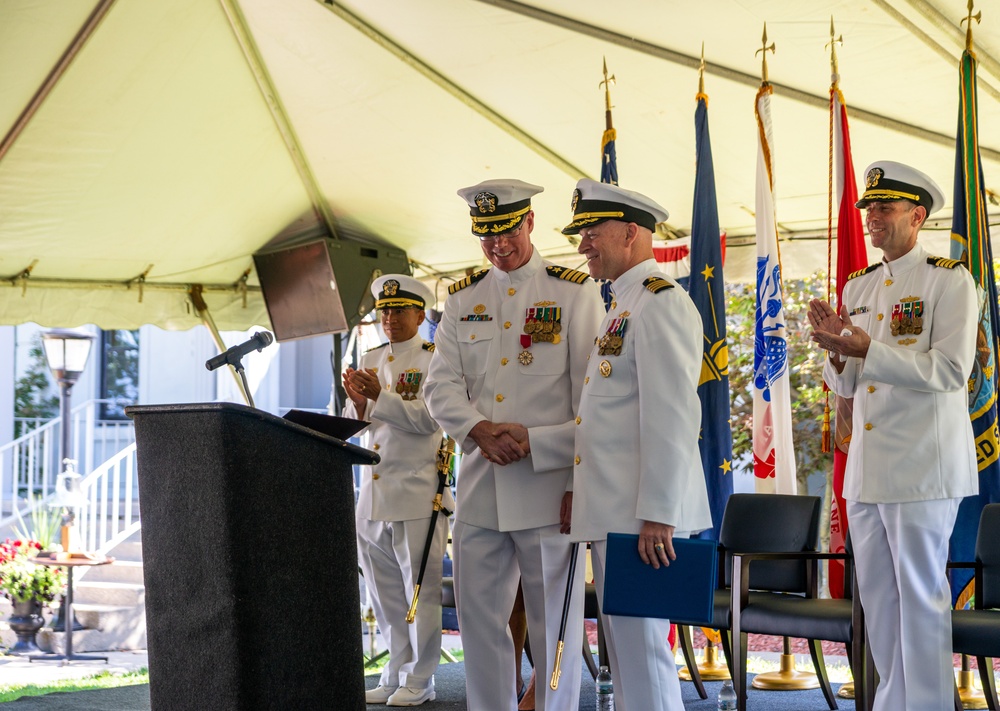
x=727, y=697
x=605, y=691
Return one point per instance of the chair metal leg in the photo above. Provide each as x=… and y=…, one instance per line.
x=986, y=678
x=727, y=649
x=588, y=657
x=684, y=638
x=816, y=652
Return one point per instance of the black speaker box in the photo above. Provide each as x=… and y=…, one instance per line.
x=321, y=285
x=250, y=561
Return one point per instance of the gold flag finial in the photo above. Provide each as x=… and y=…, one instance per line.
x=701, y=71
x=832, y=44
x=607, y=84
x=968, y=30
x=763, y=52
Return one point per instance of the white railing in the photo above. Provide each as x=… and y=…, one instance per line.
x=112, y=512
x=30, y=463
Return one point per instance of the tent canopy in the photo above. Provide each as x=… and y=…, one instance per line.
x=147, y=147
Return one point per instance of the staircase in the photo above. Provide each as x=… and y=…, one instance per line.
x=109, y=600
x=110, y=603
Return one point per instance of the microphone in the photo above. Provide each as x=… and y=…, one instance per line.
x=257, y=342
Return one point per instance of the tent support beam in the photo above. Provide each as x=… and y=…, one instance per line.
x=934, y=16
x=821, y=102
x=24, y=278
x=88, y=29
x=238, y=23
x=195, y=294
x=456, y=91
x=941, y=22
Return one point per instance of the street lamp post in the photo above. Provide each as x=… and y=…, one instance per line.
x=66, y=352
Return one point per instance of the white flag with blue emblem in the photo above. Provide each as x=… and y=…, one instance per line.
x=773, y=452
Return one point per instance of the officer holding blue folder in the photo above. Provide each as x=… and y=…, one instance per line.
x=637, y=465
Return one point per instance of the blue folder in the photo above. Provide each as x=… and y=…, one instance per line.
x=683, y=591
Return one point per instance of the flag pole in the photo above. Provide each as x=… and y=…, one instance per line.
x=787, y=677
x=970, y=696
x=710, y=667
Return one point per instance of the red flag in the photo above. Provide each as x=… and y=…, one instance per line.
x=851, y=256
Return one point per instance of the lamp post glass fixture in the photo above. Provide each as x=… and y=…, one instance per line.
x=66, y=353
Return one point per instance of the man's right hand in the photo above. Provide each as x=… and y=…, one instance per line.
x=357, y=397
x=496, y=444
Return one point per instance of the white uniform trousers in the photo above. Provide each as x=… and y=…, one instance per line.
x=487, y=564
x=642, y=664
x=901, y=554
x=390, y=553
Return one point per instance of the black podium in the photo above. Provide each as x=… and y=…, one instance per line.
x=250, y=561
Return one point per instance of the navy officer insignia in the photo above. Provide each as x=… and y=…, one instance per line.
x=478, y=314
x=657, y=284
x=486, y=202
x=468, y=281
x=428, y=346
x=873, y=177
x=944, y=262
x=390, y=287
x=862, y=272
x=567, y=274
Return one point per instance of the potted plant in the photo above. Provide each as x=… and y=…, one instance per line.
x=29, y=586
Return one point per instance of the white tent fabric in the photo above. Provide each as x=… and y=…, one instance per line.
x=184, y=135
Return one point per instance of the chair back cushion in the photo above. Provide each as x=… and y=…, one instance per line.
x=771, y=523
x=988, y=554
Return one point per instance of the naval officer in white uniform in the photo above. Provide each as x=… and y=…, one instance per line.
x=504, y=382
x=903, y=345
x=396, y=496
x=638, y=467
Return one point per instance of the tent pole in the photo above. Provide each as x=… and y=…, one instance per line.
x=202, y=308
x=788, y=92
x=55, y=74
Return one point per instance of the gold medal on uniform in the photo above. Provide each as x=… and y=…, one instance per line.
x=613, y=339
x=897, y=319
x=604, y=368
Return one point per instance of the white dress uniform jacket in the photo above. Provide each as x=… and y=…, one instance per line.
x=912, y=438
x=479, y=373
x=402, y=486
x=637, y=456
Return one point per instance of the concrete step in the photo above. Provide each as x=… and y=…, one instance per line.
x=108, y=593
x=121, y=571
x=130, y=549
x=109, y=627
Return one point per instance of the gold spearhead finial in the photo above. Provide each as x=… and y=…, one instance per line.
x=606, y=85
x=763, y=52
x=701, y=71
x=832, y=44
x=968, y=30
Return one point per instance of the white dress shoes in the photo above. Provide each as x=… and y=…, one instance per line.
x=405, y=696
x=380, y=694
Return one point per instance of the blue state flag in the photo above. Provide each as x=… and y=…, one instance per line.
x=707, y=289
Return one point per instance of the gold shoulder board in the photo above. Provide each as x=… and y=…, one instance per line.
x=944, y=262
x=567, y=274
x=657, y=284
x=468, y=281
x=870, y=267
x=428, y=346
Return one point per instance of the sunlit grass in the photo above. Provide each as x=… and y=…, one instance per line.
x=102, y=680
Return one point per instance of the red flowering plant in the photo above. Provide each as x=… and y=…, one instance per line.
x=21, y=580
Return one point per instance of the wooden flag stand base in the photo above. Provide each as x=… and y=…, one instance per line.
x=787, y=678
x=710, y=667
x=972, y=698
x=846, y=691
